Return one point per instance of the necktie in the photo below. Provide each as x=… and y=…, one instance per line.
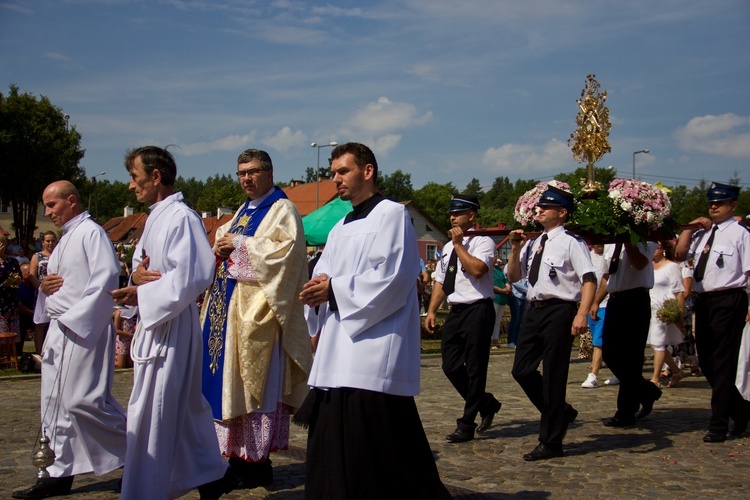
x=534, y=271
x=614, y=263
x=700, y=268
x=449, y=285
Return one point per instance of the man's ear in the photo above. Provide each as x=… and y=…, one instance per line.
x=369, y=171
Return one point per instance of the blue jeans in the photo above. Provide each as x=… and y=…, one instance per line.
x=517, y=308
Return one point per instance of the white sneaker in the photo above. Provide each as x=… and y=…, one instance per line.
x=612, y=381
x=591, y=382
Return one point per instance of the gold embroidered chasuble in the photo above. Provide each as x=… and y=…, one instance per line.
x=261, y=312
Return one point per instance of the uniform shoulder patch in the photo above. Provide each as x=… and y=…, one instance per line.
x=574, y=235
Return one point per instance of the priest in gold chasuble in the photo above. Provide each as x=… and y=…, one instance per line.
x=256, y=352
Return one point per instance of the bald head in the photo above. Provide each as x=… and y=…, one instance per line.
x=61, y=202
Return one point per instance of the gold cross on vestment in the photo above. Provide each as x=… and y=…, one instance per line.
x=244, y=220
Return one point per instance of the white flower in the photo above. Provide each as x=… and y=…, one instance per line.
x=626, y=205
x=649, y=217
x=614, y=193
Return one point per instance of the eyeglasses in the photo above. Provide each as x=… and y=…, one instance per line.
x=253, y=172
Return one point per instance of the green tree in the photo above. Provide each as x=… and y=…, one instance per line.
x=474, y=188
x=220, y=191
x=191, y=190
x=37, y=148
x=691, y=205
x=434, y=199
x=312, y=176
x=396, y=186
x=106, y=200
x=579, y=176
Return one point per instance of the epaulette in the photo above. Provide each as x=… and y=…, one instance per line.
x=698, y=234
x=574, y=235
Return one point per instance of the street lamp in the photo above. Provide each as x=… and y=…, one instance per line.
x=317, y=183
x=93, y=187
x=67, y=119
x=635, y=153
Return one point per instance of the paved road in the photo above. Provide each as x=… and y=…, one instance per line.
x=663, y=456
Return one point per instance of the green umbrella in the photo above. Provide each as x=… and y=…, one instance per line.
x=320, y=222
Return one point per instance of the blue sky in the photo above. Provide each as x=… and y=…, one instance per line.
x=443, y=90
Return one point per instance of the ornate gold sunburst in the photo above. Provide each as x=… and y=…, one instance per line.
x=589, y=141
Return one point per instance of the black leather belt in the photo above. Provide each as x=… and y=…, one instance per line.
x=539, y=304
x=721, y=293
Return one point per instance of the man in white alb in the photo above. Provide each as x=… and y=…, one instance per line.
x=172, y=446
x=366, y=439
x=84, y=421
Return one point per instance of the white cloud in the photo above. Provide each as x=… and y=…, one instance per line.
x=56, y=56
x=724, y=135
x=385, y=115
x=285, y=139
x=229, y=143
x=522, y=159
x=385, y=144
x=17, y=7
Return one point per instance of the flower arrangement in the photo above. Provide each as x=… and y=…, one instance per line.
x=670, y=312
x=526, y=213
x=629, y=210
x=12, y=281
x=641, y=203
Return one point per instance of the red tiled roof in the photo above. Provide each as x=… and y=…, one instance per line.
x=212, y=224
x=303, y=195
x=125, y=229
x=130, y=229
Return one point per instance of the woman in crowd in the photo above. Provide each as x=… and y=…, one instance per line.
x=10, y=279
x=667, y=285
x=126, y=320
x=38, y=271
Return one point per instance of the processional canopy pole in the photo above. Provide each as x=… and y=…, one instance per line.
x=589, y=141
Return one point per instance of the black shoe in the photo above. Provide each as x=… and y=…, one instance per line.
x=460, y=436
x=714, y=437
x=252, y=474
x=648, y=404
x=571, y=414
x=45, y=488
x=214, y=489
x=487, y=421
x=542, y=452
x=617, y=422
x=740, y=426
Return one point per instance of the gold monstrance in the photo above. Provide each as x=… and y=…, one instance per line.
x=589, y=141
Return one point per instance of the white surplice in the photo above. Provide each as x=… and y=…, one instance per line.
x=172, y=446
x=89, y=435
x=372, y=341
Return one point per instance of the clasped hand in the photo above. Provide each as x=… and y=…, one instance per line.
x=315, y=291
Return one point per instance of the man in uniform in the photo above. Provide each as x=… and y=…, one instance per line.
x=463, y=276
x=560, y=275
x=256, y=350
x=366, y=439
x=172, y=447
x=86, y=424
x=721, y=251
x=630, y=275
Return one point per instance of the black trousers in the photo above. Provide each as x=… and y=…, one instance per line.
x=367, y=445
x=719, y=321
x=623, y=342
x=545, y=337
x=466, y=352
